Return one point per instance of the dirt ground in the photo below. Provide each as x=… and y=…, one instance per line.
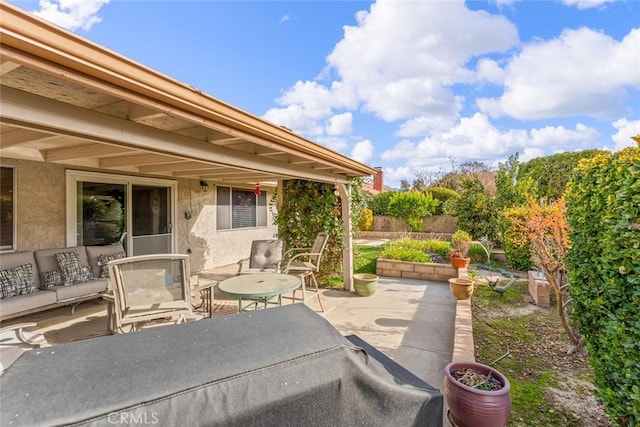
x=549, y=387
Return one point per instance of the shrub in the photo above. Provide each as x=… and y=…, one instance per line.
x=460, y=242
x=604, y=272
x=366, y=221
x=477, y=253
x=414, y=250
x=412, y=207
x=442, y=194
x=515, y=243
x=380, y=202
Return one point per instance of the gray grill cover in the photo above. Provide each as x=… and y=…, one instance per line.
x=283, y=366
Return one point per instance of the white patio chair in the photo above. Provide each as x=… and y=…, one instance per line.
x=305, y=262
x=150, y=290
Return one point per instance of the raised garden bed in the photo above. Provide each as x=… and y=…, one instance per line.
x=436, y=272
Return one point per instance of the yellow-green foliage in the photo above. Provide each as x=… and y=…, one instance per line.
x=366, y=221
x=414, y=250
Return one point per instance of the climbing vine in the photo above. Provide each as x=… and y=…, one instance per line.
x=313, y=207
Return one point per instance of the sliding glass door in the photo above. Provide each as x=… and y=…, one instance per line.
x=151, y=231
x=104, y=209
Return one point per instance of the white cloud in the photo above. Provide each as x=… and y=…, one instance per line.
x=71, y=14
x=400, y=62
x=294, y=117
x=403, y=56
x=582, y=72
x=587, y=4
x=363, y=151
x=340, y=124
x=626, y=129
x=476, y=139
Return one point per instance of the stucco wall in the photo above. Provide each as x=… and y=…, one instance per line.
x=41, y=212
x=210, y=247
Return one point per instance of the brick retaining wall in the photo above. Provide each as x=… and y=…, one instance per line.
x=415, y=270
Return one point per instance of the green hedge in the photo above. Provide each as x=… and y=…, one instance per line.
x=604, y=262
x=515, y=244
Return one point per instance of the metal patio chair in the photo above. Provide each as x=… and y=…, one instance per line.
x=150, y=290
x=265, y=257
x=305, y=262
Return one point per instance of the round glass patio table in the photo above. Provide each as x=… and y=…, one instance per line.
x=259, y=288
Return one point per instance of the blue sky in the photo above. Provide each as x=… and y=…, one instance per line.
x=410, y=86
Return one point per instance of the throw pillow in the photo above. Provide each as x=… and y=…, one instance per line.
x=8, y=285
x=69, y=263
x=18, y=279
x=103, y=260
x=51, y=279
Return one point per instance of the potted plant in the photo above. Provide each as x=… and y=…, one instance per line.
x=460, y=242
x=461, y=288
x=477, y=395
x=365, y=284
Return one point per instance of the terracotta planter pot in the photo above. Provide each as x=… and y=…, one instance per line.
x=461, y=288
x=365, y=284
x=471, y=407
x=460, y=262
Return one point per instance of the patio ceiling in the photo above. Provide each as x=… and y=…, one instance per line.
x=66, y=100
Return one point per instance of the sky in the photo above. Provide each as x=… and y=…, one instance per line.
x=416, y=87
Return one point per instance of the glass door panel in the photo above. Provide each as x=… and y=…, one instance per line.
x=150, y=219
x=101, y=213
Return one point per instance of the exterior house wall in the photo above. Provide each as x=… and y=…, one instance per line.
x=41, y=217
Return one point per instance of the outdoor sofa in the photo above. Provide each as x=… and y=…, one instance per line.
x=33, y=281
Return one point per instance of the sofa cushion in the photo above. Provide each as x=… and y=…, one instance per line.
x=18, y=280
x=20, y=303
x=8, y=286
x=95, y=286
x=14, y=259
x=94, y=252
x=72, y=271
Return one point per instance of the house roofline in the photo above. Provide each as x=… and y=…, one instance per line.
x=28, y=38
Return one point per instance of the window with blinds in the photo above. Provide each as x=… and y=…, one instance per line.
x=240, y=208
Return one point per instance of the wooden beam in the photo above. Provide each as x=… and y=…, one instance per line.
x=136, y=160
x=83, y=152
x=21, y=108
x=21, y=136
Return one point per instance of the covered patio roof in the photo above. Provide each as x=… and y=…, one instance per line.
x=67, y=100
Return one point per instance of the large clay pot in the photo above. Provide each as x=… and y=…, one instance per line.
x=461, y=288
x=365, y=284
x=471, y=407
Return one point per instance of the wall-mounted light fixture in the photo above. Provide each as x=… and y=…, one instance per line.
x=204, y=185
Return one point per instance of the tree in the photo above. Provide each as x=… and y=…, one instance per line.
x=510, y=190
x=552, y=173
x=547, y=232
x=412, y=207
x=475, y=210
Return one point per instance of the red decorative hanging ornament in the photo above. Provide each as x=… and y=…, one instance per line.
x=256, y=189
